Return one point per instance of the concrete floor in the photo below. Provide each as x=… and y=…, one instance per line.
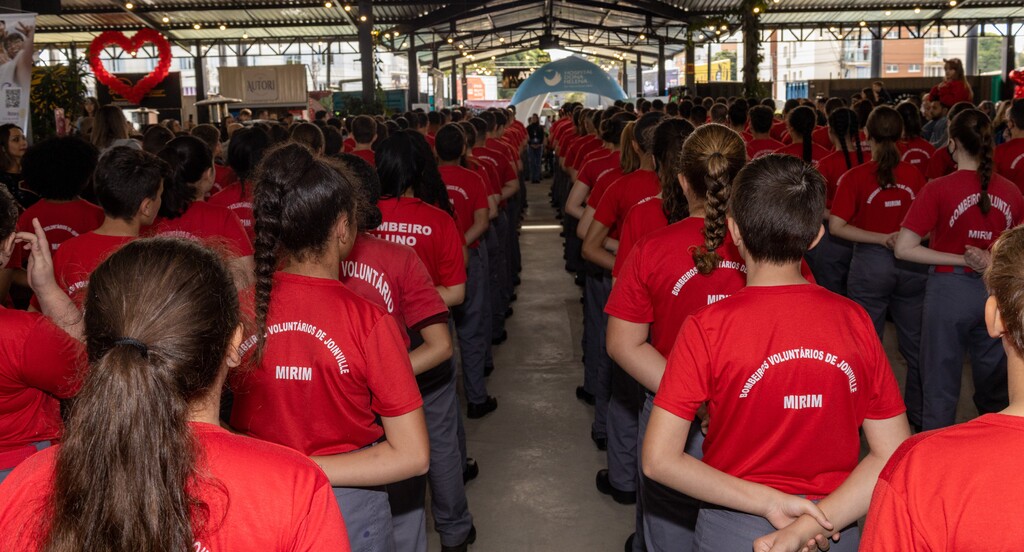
x=537, y=463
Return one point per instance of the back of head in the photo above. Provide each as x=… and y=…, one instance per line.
x=761, y=119
x=124, y=178
x=658, y=105
x=1004, y=279
x=790, y=105
x=911, y=116
x=308, y=135
x=108, y=125
x=278, y=134
x=720, y=114
x=155, y=138
x=972, y=130
x=843, y=123
x=698, y=115
x=672, y=109
x=246, y=150
x=685, y=109
x=470, y=131
x=863, y=109
x=777, y=202
x=885, y=128
x=802, y=121
x=629, y=160
x=364, y=129
x=769, y=103
x=1016, y=113
x=188, y=159
x=434, y=119
x=209, y=134
x=159, y=317
x=738, y=114
x=711, y=158
x=59, y=168
x=611, y=129
x=450, y=143
x=333, y=142
x=644, y=130
x=364, y=175
x=668, y=146
x=404, y=161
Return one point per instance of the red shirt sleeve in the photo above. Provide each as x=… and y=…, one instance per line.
x=686, y=383
x=52, y=360
x=630, y=299
x=924, y=212
x=322, y=529
x=845, y=203
x=419, y=300
x=607, y=209
x=390, y=380
x=452, y=263
x=233, y=231
x=889, y=525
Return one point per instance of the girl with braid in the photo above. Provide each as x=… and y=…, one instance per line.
x=326, y=363
x=658, y=288
x=914, y=149
x=830, y=259
x=801, y=122
x=964, y=213
x=873, y=198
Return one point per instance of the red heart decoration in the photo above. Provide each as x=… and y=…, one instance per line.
x=135, y=93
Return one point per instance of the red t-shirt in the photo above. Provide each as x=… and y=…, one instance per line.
x=947, y=208
x=430, y=140
x=594, y=154
x=832, y=167
x=506, y=173
x=918, y=152
x=623, y=195
x=332, y=361
x=212, y=225
x=223, y=176
x=348, y=144
x=368, y=155
x=1009, y=159
x=604, y=180
x=659, y=285
x=863, y=204
x=764, y=146
x=468, y=193
x=642, y=219
x=820, y=136
x=489, y=170
x=260, y=496
x=584, y=142
x=597, y=166
x=776, y=392
x=39, y=363
x=951, y=489
x=78, y=257
x=797, y=150
x=391, y=276
x=431, y=232
x=778, y=130
x=240, y=204
x=586, y=146
x=941, y=164
x=61, y=221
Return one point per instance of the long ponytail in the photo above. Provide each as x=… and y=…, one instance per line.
x=802, y=121
x=885, y=127
x=667, y=148
x=972, y=131
x=159, y=318
x=842, y=123
x=297, y=202
x=712, y=157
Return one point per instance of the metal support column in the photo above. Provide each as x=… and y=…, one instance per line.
x=690, y=71
x=876, y=53
x=639, y=76
x=455, y=83
x=1008, y=62
x=624, y=78
x=328, y=61
x=366, y=50
x=662, y=79
x=971, y=57
x=202, y=115
x=414, y=72
x=751, y=59
x=709, y=62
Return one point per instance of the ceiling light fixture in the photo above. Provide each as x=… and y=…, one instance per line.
x=197, y=26
x=328, y=4
x=166, y=19
x=129, y=6
x=362, y=18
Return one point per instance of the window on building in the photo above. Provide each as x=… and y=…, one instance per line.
x=892, y=68
x=893, y=33
x=914, y=68
x=186, y=63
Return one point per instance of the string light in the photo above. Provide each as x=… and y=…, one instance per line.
x=347, y=8
x=362, y=18
x=197, y=26
x=129, y=6
x=245, y=36
x=328, y=4
x=223, y=27
x=166, y=19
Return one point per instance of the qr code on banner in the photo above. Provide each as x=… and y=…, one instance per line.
x=12, y=98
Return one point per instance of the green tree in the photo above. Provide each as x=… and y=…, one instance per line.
x=990, y=53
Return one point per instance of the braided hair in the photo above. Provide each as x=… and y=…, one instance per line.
x=711, y=158
x=885, y=127
x=801, y=121
x=842, y=123
x=972, y=131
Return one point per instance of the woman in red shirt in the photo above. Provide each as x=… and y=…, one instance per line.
x=801, y=122
x=326, y=363
x=658, y=288
x=143, y=463
x=184, y=214
x=954, y=88
x=872, y=201
x=914, y=149
x=964, y=213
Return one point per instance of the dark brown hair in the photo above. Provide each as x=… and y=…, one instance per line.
x=308, y=135
x=1005, y=281
x=802, y=120
x=972, y=129
x=885, y=127
x=777, y=202
x=842, y=122
x=126, y=470
x=668, y=147
x=710, y=160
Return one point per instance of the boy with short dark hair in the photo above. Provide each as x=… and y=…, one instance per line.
x=364, y=132
x=786, y=392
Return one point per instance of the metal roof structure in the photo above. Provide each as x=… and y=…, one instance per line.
x=467, y=30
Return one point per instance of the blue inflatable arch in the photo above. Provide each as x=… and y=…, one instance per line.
x=571, y=74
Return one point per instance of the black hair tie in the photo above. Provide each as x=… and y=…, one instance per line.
x=135, y=343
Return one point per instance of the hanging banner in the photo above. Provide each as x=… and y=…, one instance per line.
x=165, y=95
x=512, y=78
x=16, y=53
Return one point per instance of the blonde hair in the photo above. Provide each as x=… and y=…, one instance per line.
x=1005, y=281
x=630, y=160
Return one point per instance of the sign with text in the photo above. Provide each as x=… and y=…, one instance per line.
x=166, y=95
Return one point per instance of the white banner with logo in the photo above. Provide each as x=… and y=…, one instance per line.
x=16, y=52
